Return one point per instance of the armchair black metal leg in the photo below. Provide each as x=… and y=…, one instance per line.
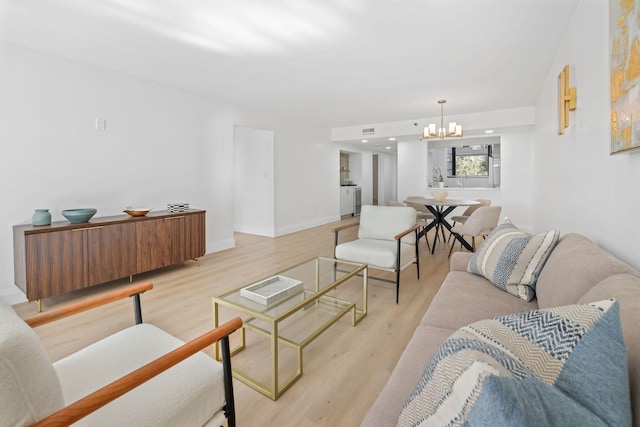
x=137, y=308
x=418, y=254
x=230, y=407
x=398, y=272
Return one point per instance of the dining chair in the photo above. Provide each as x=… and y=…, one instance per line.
x=387, y=240
x=480, y=223
x=467, y=213
x=424, y=215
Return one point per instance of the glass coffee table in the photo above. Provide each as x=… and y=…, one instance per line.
x=291, y=308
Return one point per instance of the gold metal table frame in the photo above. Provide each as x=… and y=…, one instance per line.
x=306, y=298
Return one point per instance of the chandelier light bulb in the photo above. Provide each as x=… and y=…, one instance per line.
x=455, y=130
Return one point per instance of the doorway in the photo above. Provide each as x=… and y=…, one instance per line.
x=253, y=181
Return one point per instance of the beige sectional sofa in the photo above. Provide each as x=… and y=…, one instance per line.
x=577, y=271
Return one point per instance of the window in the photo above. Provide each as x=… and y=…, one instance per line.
x=469, y=160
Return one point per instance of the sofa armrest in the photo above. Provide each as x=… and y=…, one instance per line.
x=460, y=261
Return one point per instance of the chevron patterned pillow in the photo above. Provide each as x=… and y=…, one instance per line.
x=512, y=260
x=559, y=366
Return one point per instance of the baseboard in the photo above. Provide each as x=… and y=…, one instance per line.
x=220, y=245
x=254, y=230
x=307, y=224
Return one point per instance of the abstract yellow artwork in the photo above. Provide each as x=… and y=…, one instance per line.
x=624, y=31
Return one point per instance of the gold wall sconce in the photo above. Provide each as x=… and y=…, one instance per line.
x=567, y=97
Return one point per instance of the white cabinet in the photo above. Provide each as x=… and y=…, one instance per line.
x=346, y=201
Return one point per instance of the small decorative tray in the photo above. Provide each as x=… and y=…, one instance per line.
x=136, y=211
x=271, y=290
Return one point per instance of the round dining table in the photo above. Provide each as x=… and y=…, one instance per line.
x=440, y=210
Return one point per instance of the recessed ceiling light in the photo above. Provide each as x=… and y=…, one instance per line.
x=488, y=131
x=392, y=139
x=388, y=148
x=364, y=140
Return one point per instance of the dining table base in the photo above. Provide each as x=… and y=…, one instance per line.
x=440, y=210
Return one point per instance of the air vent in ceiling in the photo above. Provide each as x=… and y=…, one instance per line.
x=369, y=131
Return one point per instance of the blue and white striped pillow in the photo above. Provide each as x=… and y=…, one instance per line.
x=559, y=366
x=512, y=260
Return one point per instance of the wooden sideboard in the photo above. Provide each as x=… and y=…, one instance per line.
x=63, y=257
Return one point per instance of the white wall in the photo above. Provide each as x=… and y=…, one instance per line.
x=412, y=169
x=161, y=145
x=578, y=186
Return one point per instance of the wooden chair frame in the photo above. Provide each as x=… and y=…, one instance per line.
x=112, y=391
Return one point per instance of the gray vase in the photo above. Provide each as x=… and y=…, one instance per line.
x=41, y=217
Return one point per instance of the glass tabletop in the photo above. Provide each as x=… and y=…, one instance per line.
x=317, y=276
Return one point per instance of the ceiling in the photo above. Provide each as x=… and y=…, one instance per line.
x=333, y=62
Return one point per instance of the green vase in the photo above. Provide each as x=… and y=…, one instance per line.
x=41, y=217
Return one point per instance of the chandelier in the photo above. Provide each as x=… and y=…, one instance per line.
x=454, y=128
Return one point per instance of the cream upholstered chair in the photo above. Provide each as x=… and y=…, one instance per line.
x=480, y=223
x=471, y=209
x=138, y=376
x=387, y=240
x=467, y=213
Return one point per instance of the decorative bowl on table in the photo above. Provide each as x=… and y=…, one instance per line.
x=78, y=216
x=137, y=211
x=439, y=196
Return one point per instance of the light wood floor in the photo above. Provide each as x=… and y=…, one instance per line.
x=344, y=369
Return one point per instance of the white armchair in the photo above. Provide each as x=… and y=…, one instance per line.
x=387, y=240
x=139, y=376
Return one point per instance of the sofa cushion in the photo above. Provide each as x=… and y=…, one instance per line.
x=626, y=289
x=574, y=267
x=385, y=222
x=512, y=260
x=544, y=367
x=29, y=388
x=196, y=383
x=465, y=298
